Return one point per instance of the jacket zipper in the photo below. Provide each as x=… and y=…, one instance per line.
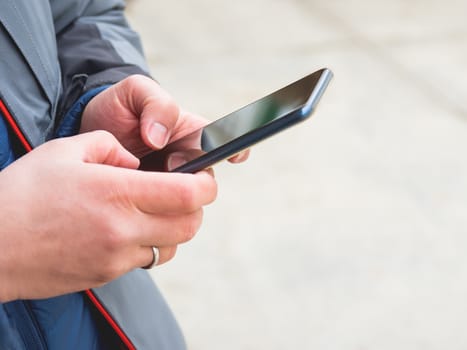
x=26, y=325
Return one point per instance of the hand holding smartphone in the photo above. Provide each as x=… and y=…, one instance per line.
x=243, y=128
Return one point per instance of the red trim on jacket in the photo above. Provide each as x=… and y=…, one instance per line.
x=110, y=320
x=27, y=146
x=14, y=126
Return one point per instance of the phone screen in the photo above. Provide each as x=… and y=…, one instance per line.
x=246, y=126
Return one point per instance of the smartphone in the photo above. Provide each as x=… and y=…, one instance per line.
x=243, y=128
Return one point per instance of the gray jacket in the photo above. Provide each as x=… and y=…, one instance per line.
x=52, y=52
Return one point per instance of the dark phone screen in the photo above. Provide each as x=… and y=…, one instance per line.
x=257, y=114
x=243, y=121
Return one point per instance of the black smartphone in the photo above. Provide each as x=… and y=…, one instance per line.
x=243, y=128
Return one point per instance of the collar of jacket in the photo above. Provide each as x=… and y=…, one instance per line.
x=30, y=86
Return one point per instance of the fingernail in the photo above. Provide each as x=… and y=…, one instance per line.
x=176, y=160
x=158, y=135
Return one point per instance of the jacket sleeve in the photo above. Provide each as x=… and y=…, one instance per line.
x=95, y=49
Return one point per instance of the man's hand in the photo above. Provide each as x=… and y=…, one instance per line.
x=141, y=115
x=75, y=215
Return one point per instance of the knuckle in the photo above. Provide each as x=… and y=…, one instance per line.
x=193, y=195
x=165, y=103
x=209, y=189
x=104, y=134
x=135, y=79
x=113, y=236
x=167, y=107
x=101, y=138
x=110, y=266
x=170, y=107
x=192, y=225
x=187, y=197
x=53, y=145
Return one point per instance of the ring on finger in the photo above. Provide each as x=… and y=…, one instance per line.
x=155, y=258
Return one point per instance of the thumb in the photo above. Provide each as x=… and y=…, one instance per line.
x=102, y=147
x=156, y=109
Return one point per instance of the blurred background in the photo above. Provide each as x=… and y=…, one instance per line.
x=349, y=231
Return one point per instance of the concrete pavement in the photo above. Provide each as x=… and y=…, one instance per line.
x=350, y=231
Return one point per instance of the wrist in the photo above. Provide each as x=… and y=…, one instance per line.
x=70, y=123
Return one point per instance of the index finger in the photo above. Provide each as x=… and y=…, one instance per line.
x=170, y=193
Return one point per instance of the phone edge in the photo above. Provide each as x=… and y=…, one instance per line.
x=255, y=136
